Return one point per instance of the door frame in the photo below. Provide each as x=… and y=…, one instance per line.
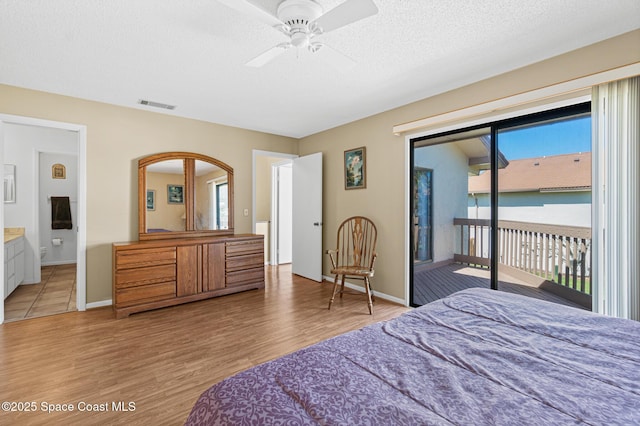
x=81, y=135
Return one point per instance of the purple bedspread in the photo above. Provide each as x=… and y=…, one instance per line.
x=478, y=357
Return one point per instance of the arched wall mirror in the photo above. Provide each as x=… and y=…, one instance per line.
x=182, y=194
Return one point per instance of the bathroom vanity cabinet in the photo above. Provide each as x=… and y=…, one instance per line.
x=13, y=264
x=158, y=273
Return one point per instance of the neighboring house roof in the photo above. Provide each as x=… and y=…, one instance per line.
x=557, y=173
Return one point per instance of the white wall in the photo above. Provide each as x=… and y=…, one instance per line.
x=21, y=146
x=450, y=188
x=49, y=187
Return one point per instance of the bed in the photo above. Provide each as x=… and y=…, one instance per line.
x=477, y=357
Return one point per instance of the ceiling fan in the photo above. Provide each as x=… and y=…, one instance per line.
x=303, y=21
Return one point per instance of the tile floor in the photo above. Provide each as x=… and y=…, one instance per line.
x=54, y=294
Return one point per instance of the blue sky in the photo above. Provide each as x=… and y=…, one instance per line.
x=561, y=137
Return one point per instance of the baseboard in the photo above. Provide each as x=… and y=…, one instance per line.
x=99, y=304
x=360, y=288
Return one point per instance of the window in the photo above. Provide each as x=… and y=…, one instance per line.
x=219, y=198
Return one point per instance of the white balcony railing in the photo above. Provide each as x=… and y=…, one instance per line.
x=560, y=254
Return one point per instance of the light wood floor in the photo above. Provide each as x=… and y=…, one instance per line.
x=163, y=360
x=54, y=294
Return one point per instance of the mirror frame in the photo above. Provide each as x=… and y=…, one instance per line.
x=189, y=160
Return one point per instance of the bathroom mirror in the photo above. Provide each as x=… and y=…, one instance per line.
x=183, y=194
x=9, y=183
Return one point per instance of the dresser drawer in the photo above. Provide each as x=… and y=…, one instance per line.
x=146, y=293
x=244, y=262
x=246, y=276
x=244, y=247
x=141, y=276
x=145, y=257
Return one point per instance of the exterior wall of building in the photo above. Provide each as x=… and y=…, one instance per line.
x=556, y=208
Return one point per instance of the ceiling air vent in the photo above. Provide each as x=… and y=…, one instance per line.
x=156, y=104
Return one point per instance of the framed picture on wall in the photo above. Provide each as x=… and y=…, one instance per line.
x=151, y=199
x=354, y=168
x=175, y=194
x=58, y=171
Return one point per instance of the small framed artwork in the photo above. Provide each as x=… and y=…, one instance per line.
x=151, y=199
x=355, y=168
x=175, y=194
x=58, y=171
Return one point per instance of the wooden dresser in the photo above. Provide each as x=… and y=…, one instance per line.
x=158, y=273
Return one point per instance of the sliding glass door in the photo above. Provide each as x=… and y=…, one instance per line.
x=504, y=206
x=544, y=206
x=449, y=234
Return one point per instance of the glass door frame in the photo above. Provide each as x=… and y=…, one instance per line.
x=495, y=127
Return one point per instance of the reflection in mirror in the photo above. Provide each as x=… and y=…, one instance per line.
x=184, y=194
x=212, y=197
x=165, y=183
x=9, y=183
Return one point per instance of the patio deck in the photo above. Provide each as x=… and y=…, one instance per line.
x=436, y=282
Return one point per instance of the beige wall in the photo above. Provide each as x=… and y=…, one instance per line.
x=383, y=199
x=116, y=138
x=263, y=186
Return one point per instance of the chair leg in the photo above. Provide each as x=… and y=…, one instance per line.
x=333, y=294
x=367, y=287
x=341, y=287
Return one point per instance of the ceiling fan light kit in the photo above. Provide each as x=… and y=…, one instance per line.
x=302, y=21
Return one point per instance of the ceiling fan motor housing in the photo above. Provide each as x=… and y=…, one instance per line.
x=297, y=15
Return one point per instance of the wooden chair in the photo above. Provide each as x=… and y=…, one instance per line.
x=355, y=255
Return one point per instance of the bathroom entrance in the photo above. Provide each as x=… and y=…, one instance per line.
x=49, y=209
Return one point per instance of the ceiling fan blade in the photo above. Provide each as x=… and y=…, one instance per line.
x=268, y=56
x=345, y=13
x=331, y=56
x=253, y=10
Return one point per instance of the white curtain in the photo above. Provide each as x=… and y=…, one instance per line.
x=616, y=198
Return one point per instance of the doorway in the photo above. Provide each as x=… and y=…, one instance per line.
x=265, y=201
x=20, y=139
x=306, y=218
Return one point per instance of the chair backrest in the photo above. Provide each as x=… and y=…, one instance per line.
x=357, y=237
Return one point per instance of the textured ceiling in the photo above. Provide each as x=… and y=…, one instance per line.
x=192, y=54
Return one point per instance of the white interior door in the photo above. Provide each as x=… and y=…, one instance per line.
x=307, y=217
